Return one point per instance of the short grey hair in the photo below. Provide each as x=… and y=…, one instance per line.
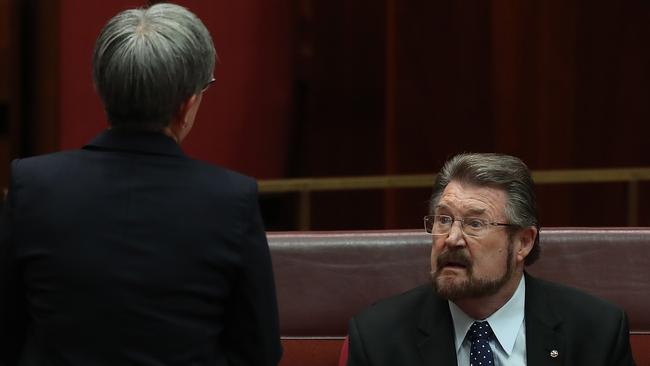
x=148, y=61
x=504, y=172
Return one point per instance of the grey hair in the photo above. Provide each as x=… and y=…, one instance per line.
x=504, y=172
x=148, y=61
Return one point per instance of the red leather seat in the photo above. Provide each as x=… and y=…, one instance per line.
x=323, y=278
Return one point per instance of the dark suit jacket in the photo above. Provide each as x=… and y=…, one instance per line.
x=129, y=253
x=416, y=328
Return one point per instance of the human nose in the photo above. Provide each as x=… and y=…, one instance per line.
x=455, y=236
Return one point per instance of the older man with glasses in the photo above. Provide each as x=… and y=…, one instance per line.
x=483, y=308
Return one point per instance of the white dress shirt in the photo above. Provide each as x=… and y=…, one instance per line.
x=507, y=323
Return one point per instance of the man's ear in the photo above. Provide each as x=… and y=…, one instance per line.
x=183, y=120
x=526, y=238
x=184, y=116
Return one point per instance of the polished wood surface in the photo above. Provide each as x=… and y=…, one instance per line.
x=305, y=186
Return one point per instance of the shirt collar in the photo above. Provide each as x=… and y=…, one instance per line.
x=505, y=322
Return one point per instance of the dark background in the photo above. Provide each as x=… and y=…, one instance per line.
x=314, y=88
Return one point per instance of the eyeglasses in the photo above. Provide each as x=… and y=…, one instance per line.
x=207, y=85
x=471, y=226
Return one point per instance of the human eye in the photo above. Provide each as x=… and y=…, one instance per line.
x=474, y=223
x=444, y=219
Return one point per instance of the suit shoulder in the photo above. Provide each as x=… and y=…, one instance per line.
x=396, y=307
x=39, y=160
x=222, y=171
x=228, y=179
x=33, y=166
x=574, y=301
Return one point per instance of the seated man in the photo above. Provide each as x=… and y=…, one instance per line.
x=483, y=308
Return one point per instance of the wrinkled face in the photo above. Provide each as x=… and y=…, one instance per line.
x=463, y=266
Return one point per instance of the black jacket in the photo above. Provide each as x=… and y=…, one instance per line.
x=129, y=253
x=416, y=329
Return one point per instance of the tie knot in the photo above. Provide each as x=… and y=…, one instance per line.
x=480, y=330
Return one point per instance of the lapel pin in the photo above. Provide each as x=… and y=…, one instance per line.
x=554, y=353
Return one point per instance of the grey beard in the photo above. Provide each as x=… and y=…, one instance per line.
x=473, y=287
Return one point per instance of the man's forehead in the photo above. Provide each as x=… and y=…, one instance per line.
x=468, y=208
x=472, y=198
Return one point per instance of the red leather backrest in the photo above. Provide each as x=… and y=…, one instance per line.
x=323, y=278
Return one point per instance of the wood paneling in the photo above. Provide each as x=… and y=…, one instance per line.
x=5, y=13
x=41, y=78
x=340, y=120
x=342, y=96
x=559, y=84
x=4, y=50
x=9, y=87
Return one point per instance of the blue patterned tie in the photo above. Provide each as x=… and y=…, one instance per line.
x=480, y=354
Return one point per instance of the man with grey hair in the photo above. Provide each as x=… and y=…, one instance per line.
x=483, y=308
x=127, y=252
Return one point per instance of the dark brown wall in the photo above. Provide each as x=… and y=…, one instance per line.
x=560, y=84
x=11, y=89
x=5, y=103
x=340, y=125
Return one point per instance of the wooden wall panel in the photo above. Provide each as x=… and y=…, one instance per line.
x=342, y=95
x=9, y=87
x=560, y=84
x=442, y=94
x=613, y=83
x=644, y=206
x=4, y=48
x=533, y=87
x=41, y=78
x=339, y=130
x=442, y=83
x=5, y=13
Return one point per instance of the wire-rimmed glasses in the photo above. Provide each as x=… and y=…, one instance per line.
x=471, y=226
x=208, y=84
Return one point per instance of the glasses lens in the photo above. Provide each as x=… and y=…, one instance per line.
x=474, y=226
x=428, y=223
x=440, y=224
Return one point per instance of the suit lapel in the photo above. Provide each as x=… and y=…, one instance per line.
x=543, y=336
x=436, y=342
x=545, y=345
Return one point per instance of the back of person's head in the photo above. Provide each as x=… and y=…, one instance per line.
x=147, y=62
x=504, y=172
